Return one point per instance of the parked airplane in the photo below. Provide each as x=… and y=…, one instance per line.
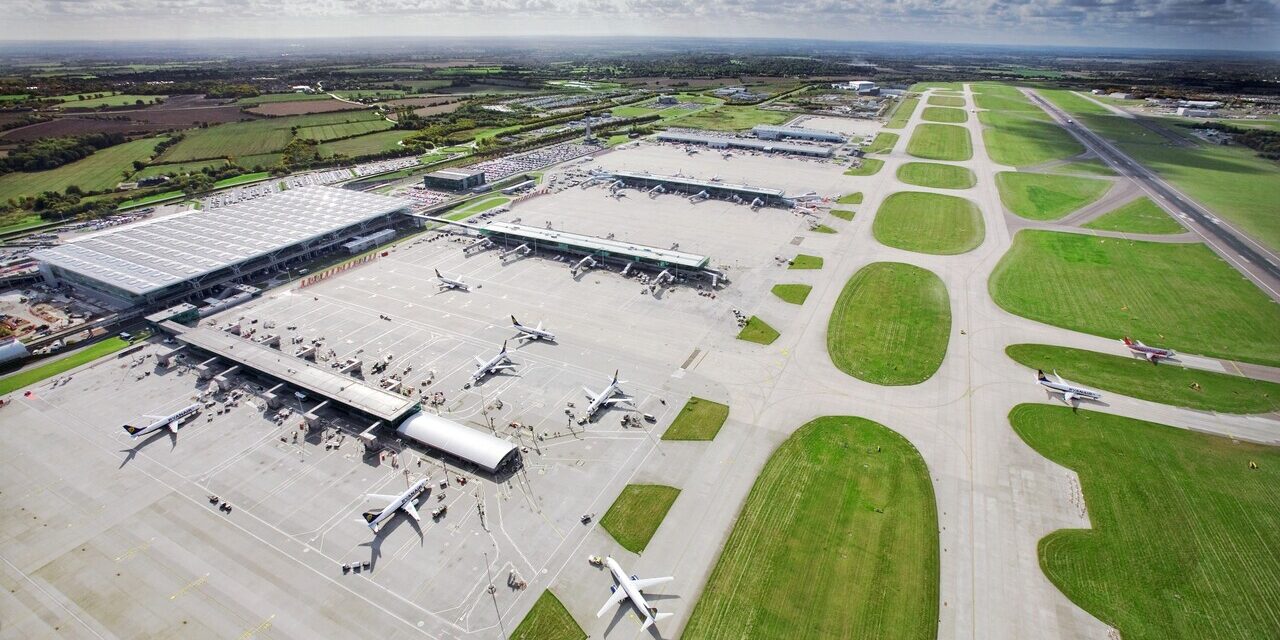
x=450, y=283
x=607, y=397
x=1069, y=391
x=1150, y=353
x=631, y=588
x=499, y=362
x=532, y=333
x=403, y=502
x=171, y=422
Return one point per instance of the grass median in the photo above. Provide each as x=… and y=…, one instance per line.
x=890, y=325
x=637, y=513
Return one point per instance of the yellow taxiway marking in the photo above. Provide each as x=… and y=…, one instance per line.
x=253, y=631
x=193, y=584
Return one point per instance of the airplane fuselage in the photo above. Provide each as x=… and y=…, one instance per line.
x=1068, y=391
x=173, y=419
x=390, y=510
x=625, y=583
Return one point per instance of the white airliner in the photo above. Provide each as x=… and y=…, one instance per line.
x=451, y=283
x=499, y=362
x=612, y=394
x=1150, y=353
x=1069, y=391
x=532, y=333
x=631, y=588
x=403, y=502
x=171, y=422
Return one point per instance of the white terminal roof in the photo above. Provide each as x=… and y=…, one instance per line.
x=592, y=243
x=146, y=257
x=458, y=440
x=746, y=143
x=694, y=182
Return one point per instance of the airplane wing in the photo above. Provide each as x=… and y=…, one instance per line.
x=539, y=327
x=650, y=582
x=503, y=367
x=479, y=362
x=411, y=510
x=1069, y=397
x=147, y=415
x=173, y=426
x=617, y=399
x=382, y=496
x=618, y=596
x=590, y=394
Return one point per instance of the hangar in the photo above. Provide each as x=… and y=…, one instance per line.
x=486, y=451
x=752, y=144
x=182, y=255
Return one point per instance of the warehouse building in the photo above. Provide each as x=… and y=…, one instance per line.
x=770, y=132
x=482, y=449
x=692, y=186
x=453, y=179
x=750, y=144
x=181, y=256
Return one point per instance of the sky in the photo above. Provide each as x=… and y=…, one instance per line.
x=1165, y=24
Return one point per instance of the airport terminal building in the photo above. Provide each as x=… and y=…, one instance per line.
x=771, y=132
x=713, y=189
x=182, y=255
x=749, y=144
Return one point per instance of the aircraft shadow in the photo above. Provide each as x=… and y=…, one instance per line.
x=375, y=545
x=132, y=452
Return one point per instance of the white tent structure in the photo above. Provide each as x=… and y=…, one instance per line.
x=460, y=441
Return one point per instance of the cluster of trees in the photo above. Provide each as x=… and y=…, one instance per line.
x=49, y=153
x=1264, y=141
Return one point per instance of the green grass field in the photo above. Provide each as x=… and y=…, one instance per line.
x=843, y=214
x=793, y=293
x=239, y=140
x=940, y=142
x=1166, y=383
x=758, y=331
x=153, y=198
x=1043, y=196
x=699, y=420
x=822, y=228
x=1231, y=180
x=837, y=539
x=1022, y=139
x=16, y=381
x=1183, y=537
x=850, y=198
x=177, y=169
x=265, y=160
x=938, y=176
x=102, y=170
x=944, y=114
x=327, y=132
x=946, y=101
x=368, y=144
x=928, y=223
x=902, y=113
x=882, y=143
x=891, y=324
x=478, y=205
x=730, y=118
x=1182, y=296
x=268, y=98
x=869, y=167
x=635, y=516
x=804, y=261
x=1090, y=167
x=548, y=620
x=1140, y=216
x=118, y=100
x=242, y=179
x=944, y=86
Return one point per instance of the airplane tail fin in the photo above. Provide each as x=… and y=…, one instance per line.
x=653, y=618
x=615, y=376
x=131, y=430
x=1128, y=342
x=369, y=516
x=438, y=274
x=514, y=322
x=504, y=347
x=1040, y=375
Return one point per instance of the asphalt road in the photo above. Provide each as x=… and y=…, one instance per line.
x=1249, y=256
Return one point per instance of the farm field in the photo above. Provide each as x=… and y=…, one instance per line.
x=699, y=420
x=944, y=114
x=792, y=293
x=1140, y=216
x=946, y=101
x=730, y=118
x=1114, y=288
x=238, y=140
x=177, y=168
x=928, y=223
x=548, y=620
x=263, y=160
x=936, y=175
x=301, y=107
x=118, y=100
x=883, y=142
x=1180, y=544
x=902, y=113
x=940, y=142
x=758, y=331
x=339, y=131
x=869, y=167
x=100, y=171
x=270, y=98
x=1232, y=181
x=1166, y=383
x=890, y=325
x=837, y=539
x=371, y=143
x=1043, y=196
x=635, y=516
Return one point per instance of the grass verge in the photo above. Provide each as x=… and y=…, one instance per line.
x=936, y=175
x=928, y=223
x=837, y=539
x=1182, y=541
x=1043, y=196
x=635, y=516
x=891, y=324
x=793, y=293
x=1140, y=216
x=944, y=114
x=850, y=198
x=902, y=113
x=13, y=382
x=940, y=142
x=804, y=261
x=843, y=214
x=882, y=143
x=548, y=620
x=758, y=331
x=699, y=420
x=869, y=167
